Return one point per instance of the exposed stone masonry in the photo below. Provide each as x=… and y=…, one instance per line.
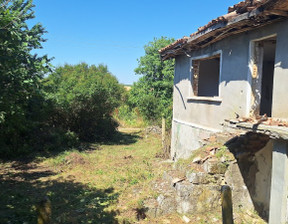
x=195, y=188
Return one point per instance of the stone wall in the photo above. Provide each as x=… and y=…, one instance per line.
x=194, y=188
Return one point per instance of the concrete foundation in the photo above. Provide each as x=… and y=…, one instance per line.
x=186, y=138
x=261, y=197
x=279, y=189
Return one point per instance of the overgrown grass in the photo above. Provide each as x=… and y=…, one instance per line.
x=130, y=118
x=101, y=184
x=98, y=183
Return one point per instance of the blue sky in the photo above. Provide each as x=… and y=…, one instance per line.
x=113, y=32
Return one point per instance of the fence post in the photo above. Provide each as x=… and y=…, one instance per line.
x=44, y=211
x=163, y=131
x=227, y=207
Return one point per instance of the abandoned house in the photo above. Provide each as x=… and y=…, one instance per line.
x=232, y=74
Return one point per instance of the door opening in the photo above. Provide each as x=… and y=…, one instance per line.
x=269, y=47
x=263, y=74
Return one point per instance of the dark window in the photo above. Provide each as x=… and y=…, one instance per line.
x=206, y=76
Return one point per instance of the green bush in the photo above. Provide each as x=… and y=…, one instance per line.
x=129, y=117
x=150, y=108
x=124, y=112
x=84, y=98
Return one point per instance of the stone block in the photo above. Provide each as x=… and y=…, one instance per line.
x=197, y=178
x=214, y=166
x=201, y=199
x=208, y=198
x=166, y=204
x=184, y=190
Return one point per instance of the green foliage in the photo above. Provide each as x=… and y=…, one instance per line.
x=150, y=108
x=152, y=94
x=84, y=97
x=221, y=152
x=22, y=108
x=151, y=66
x=128, y=117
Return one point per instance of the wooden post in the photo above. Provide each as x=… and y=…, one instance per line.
x=227, y=209
x=163, y=131
x=44, y=211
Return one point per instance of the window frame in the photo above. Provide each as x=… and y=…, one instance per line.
x=192, y=96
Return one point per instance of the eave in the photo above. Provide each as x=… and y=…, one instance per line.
x=228, y=25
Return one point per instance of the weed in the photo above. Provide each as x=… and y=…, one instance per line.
x=100, y=172
x=221, y=152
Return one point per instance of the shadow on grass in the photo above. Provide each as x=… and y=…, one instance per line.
x=119, y=138
x=21, y=190
x=122, y=138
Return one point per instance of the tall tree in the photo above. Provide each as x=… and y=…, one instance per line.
x=151, y=66
x=20, y=71
x=153, y=92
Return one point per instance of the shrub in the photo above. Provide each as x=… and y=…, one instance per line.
x=129, y=117
x=84, y=97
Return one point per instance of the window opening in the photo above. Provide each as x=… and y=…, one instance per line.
x=206, y=76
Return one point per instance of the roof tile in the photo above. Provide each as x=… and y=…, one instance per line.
x=233, y=11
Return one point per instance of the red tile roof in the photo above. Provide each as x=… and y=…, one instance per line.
x=241, y=17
